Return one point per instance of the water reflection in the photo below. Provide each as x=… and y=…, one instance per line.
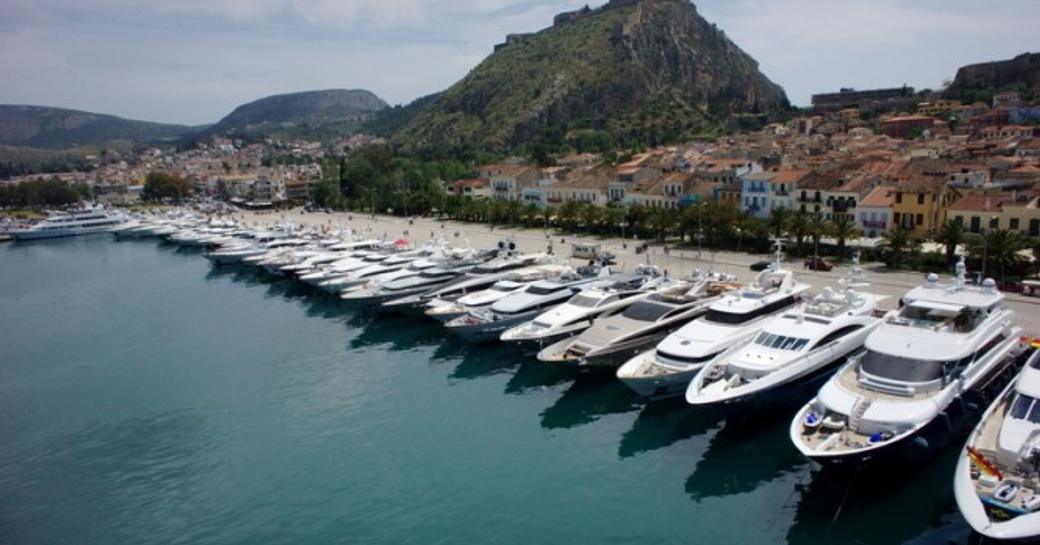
x=749, y=451
x=877, y=504
x=484, y=360
x=398, y=333
x=534, y=374
x=587, y=400
x=661, y=425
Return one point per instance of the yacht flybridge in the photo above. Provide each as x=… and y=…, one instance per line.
x=997, y=480
x=612, y=340
x=793, y=351
x=924, y=369
x=666, y=371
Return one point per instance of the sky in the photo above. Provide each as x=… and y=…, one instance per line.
x=193, y=61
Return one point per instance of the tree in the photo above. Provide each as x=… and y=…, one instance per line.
x=1000, y=248
x=661, y=221
x=896, y=242
x=590, y=216
x=818, y=226
x=613, y=216
x=161, y=186
x=798, y=226
x=778, y=221
x=951, y=234
x=843, y=228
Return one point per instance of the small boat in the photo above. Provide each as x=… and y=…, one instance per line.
x=997, y=480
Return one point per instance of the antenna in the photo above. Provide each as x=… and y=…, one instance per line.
x=779, y=254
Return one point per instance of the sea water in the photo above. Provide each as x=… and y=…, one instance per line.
x=149, y=398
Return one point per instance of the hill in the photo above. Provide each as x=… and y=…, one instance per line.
x=58, y=128
x=311, y=113
x=645, y=71
x=980, y=81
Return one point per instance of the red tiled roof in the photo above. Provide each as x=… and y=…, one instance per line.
x=977, y=202
x=880, y=197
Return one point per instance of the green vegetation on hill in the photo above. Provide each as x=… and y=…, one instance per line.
x=315, y=115
x=42, y=192
x=55, y=128
x=979, y=82
x=646, y=73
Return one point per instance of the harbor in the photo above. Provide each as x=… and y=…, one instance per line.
x=266, y=408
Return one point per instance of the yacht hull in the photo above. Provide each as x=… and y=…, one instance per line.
x=485, y=332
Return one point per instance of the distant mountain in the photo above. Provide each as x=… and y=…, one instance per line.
x=644, y=70
x=390, y=120
x=309, y=113
x=979, y=81
x=57, y=128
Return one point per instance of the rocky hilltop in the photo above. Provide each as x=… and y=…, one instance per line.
x=336, y=110
x=55, y=128
x=646, y=70
x=1021, y=73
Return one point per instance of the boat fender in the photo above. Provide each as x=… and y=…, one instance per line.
x=944, y=421
x=919, y=447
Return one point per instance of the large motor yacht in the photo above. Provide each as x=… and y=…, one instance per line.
x=66, y=224
x=923, y=371
x=581, y=310
x=488, y=324
x=612, y=340
x=471, y=292
x=427, y=279
x=793, y=352
x=997, y=480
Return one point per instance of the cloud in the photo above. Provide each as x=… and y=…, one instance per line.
x=192, y=61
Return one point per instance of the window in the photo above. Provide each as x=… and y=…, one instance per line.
x=899, y=198
x=781, y=342
x=994, y=223
x=1020, y=407
x=1013, y=224
x=920, y=198
x=837, y=334
x=920, y=219
x=583, y=301
x=901, y=369
x=975, y=224
x=646, y=311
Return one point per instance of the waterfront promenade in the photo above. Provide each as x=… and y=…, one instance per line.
x=675, y=261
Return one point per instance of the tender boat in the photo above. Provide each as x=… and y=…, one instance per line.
x=612, y=340
x=793, y=352
x=997, y=480
x=927, y=369
x=579, y=312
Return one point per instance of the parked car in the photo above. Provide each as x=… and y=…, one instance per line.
x=817, y=264
x=761, y=265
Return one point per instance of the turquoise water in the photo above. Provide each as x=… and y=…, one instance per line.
x=146, y=398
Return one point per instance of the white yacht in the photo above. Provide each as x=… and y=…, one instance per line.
x=666, y=370
x=428, y=279
x=488, y=324
x=792, y=352
x=390, y=269
x=579, y=312
x=614, y=339
x=997, y=480
x=909, y=392
x=66, y=224
x=460, y=297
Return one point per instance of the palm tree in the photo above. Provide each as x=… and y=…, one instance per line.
x=1000, y=248
x=613, y=216
x=818, y=226
x=843, y=228
x=743, y=223
x=590, y=216
x=951, y=234
x=896, y=242
x=778, y=220
x=798, y=225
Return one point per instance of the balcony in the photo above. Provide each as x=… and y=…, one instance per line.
x=808, y=199
x=874, y=224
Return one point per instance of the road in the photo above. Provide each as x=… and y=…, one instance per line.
x=677, y=262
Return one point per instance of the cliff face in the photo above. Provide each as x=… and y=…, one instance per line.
x=45, y=127
x=645, y=69
x=1022, y=71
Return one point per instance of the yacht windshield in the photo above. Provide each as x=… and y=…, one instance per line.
x=781, y=342
x=720, y=317
x=646, y=311
x=901, y=369
x=584, y=301
x=936, y=316
x=1025, y=408
x=542, y=290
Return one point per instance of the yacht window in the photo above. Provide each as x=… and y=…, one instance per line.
x=1034, y=413
x=901, y=369
x=798, y=345
x=583, y=301
x=781, y=342
x=542, y=290
x=646, y=311
x=1021, y=405
x=837, y=334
